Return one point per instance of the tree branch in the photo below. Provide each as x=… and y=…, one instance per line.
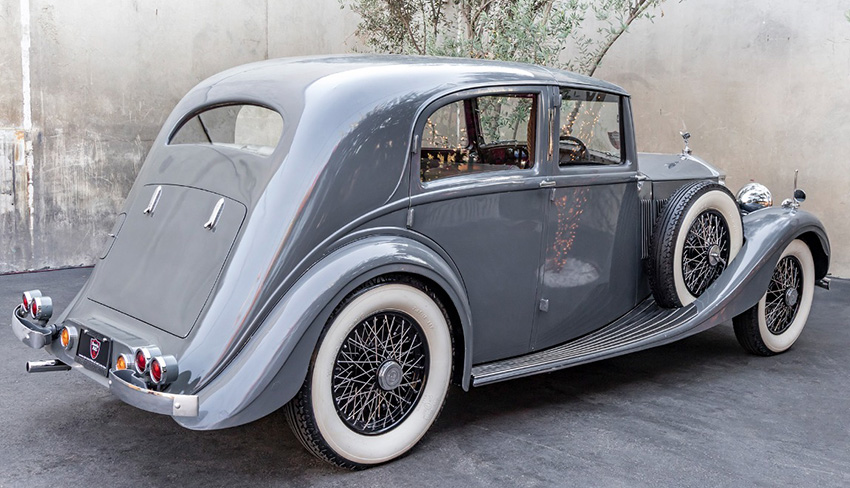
x=636, y=11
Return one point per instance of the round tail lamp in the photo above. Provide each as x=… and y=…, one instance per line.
x=123, y=362
x=67, y=337
x=143, y=360
x=41, y=308
x=163, y=370
x=27, y=299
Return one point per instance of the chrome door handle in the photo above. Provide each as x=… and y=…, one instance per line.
x=547, y=183
x=214, y=216
x=154, y=200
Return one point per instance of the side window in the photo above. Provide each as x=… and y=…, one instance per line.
x=247, y=127
x=480, y=134
x=589, y=131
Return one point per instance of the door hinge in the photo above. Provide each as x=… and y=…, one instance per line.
x=409, y=218
x=544, y=304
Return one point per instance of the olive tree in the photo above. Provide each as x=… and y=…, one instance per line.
x=572, y=34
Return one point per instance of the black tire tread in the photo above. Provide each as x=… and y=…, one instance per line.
x=746, y=327
x=663, y=243
x=299, y=413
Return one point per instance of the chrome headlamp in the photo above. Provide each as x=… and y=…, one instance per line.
x=754, y=196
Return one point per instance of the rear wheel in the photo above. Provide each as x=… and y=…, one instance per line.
x=378, y=378
x=776, y=321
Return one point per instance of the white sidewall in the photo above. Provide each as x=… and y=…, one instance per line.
x=721, y=202
x=781, y=342
x=373, y=449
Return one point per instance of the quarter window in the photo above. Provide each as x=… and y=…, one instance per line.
x=480, y=134
x=247, y=127
x=589, y=131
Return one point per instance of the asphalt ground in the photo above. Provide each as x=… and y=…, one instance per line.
x=700, y=412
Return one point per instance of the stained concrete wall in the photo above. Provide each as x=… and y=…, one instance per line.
x=104, y=76
x=762, y=85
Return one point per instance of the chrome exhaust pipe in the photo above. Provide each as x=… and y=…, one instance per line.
x=45, y=366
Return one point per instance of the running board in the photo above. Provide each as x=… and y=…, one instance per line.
x=644, y=326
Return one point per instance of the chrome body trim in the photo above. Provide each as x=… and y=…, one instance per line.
x=129, y=389
x=33, y=335
x=215, y=215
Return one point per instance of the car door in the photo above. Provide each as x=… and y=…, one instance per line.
x=476, y=194
x=591, y=251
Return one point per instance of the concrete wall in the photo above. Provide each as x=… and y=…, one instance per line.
x=103, y=77
x=762, y=86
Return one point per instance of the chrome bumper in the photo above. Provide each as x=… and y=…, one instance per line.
x=31, y=334
x=132, y=390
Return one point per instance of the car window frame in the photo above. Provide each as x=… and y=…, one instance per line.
x=511, y=177
x=200, y=109
x=629, y=162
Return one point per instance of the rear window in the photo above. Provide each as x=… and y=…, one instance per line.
x=246, y=127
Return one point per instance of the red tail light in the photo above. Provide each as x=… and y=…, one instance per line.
x=41, y=308
x=163, y=369
x=27, y=298
x=156, y=371
x=143, y=357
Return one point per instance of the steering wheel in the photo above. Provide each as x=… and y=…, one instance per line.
x=577, y=143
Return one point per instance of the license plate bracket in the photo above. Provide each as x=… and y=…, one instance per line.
x=94, y=351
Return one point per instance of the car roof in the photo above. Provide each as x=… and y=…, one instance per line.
x=419, y=74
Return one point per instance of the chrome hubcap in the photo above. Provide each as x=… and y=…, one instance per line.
x=390, y=375
x=791, y=296
x=714, y=255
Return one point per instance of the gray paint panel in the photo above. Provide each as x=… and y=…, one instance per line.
x=592, y=260
x=163, y=265
x=494, y=239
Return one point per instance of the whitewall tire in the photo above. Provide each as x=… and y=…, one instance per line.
x=776, y=321
x=378, y=378
x=696, y=237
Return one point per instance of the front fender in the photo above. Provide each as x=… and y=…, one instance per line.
x=766, y=235
x=272, y=366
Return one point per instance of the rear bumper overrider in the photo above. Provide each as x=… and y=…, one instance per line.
x=29, y=332
x=124, y=384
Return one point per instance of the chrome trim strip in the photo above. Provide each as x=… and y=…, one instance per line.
x=121, y=385
x=215, y=215
x=30, y=334
x=154, y=200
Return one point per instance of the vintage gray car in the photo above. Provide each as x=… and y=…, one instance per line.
x=346, y=236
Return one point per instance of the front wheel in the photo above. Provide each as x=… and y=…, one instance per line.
x=776, y=321
x=378, y=378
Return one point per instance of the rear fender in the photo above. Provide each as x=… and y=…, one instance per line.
x=272, y=367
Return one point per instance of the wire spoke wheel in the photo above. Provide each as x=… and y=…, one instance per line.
x=706, y=251
x=773, y=324
x=783, y=292
x=380, y=372
x=696, y=237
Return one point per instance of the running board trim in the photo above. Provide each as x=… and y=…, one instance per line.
x=642, y=327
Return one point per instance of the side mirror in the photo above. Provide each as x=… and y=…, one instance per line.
x=799, y=195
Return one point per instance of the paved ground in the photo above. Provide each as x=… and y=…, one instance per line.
x=700, y=412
